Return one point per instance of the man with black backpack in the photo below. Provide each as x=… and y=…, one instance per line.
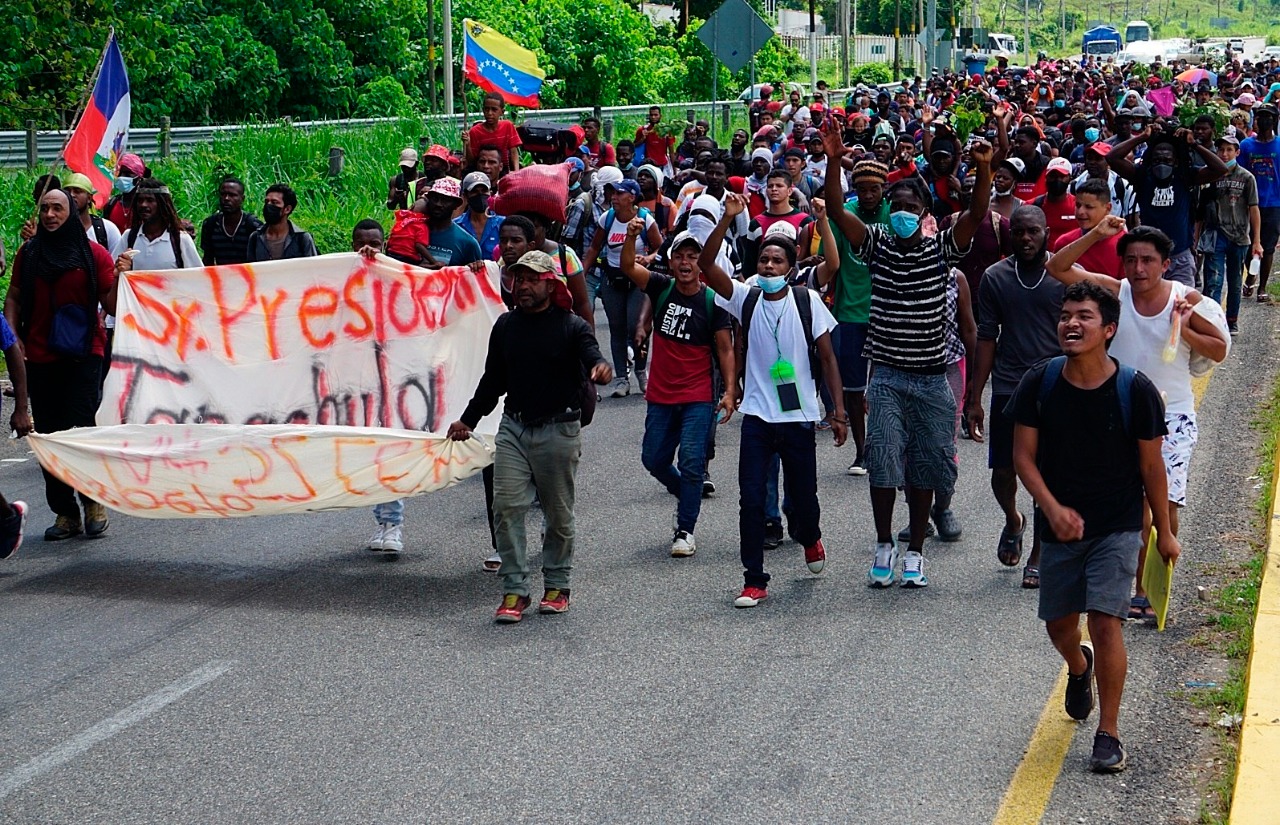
x=101, y=231
x=1087, y=446
x=786, y=351
x=688, y=331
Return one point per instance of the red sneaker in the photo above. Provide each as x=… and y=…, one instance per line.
x=512, y=609
x=750, y=597
x=815, y=557
x=554, y=601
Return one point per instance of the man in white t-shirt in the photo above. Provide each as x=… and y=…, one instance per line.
x=780, y=403
x=156, y=238
x=1149, y=305
x=100, y=231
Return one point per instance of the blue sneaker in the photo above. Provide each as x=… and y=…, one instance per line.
x=883, y=566
x=913, y=570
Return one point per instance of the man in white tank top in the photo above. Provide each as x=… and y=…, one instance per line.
x=1151, y=309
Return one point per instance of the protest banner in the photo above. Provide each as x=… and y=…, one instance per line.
x=274, y=361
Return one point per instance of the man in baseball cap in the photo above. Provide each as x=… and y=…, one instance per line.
x=450, y=244
x=1058, y=203
x=477, y=220
x=100, y=231
x=689, y=329
x=538, y=355
x=401, y=183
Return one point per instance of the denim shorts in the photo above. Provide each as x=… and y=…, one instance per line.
x=851, y=342
x=911, y=424
x=1094, y=575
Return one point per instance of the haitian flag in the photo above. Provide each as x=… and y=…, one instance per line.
x=496, y=64
x=103, y=131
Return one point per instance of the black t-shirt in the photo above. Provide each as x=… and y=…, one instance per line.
x=1087, y=459
x=1167, y=206
x=220, y=248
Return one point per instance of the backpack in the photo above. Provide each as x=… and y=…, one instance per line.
x=99, y=231
x=806, y=321
x=617, y=279
x=1124, y=388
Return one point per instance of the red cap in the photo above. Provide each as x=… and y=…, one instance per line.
x=1099, y=148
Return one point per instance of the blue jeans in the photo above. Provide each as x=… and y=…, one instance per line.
x=667, y=426
x=622, y=308
x=1226, y=263
x=793, y=443
x=771, y=511
x=389, y=512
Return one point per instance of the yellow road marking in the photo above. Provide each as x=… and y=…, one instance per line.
x=1028, y=793
x=1253, y=801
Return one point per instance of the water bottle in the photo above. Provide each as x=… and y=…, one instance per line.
x=1255, y=266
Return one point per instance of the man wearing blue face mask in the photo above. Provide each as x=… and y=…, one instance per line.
x=911, y=406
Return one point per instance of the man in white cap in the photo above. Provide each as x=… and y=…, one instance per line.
x=401, y=184
x=688, y=331
x=450, y=244
x=478, y=221
x=538, y=356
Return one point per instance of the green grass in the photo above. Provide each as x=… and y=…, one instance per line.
x=1236, y=608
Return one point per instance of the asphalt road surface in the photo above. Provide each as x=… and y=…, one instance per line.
x=273, y=670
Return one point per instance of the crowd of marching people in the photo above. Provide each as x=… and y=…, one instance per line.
x=1037, y=258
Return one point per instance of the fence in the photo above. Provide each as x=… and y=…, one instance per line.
x=32, y=147
x=863, y=48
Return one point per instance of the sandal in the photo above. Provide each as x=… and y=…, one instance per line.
x=1140, y=608
x=1031, y=577
x=1009, y=550
x=1265, y=298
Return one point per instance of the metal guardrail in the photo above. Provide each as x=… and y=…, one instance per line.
x=146, y=141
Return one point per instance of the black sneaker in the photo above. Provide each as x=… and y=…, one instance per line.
x=948, y=524
x=708, y=486
x=772, y=534
x=1079, y=701
x=1108, y=754
x=904, y=534
x=11, y=529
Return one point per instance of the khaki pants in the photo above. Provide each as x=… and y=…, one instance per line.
x=528, y=459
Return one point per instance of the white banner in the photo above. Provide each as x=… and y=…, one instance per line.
x=227, y=470
x=275, y=362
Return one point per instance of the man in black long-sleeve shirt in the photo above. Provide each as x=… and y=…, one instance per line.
x=537, y=356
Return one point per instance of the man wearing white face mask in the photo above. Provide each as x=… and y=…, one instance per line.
x=911, y=407
x=787, y=334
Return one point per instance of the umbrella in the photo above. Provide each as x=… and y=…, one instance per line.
x=1194, y=76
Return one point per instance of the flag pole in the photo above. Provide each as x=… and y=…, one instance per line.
x=468, y=149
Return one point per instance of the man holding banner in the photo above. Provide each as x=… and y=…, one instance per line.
x=538, y=355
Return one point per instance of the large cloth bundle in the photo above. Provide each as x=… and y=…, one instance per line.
x=541, y=189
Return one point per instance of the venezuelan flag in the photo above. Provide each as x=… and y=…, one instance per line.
x=103, y=130
x=496, y=64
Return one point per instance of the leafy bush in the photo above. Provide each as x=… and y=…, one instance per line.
x=872, y=74
x=384, y=97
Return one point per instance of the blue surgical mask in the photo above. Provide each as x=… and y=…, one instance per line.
x=771, y=283
x=1231, y=164
x=1092, y=134
x=904, y=224
x=1059, y=104
x=123, y=185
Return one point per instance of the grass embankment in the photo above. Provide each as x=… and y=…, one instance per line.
x=1234, y=612
x=260, y=156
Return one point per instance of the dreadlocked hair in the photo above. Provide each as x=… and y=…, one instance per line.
x=166, y=211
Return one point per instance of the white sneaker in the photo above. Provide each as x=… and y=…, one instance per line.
x=683, y=545
x=392, y=541
x=913, y=570
x=884, y=566
x=492, y=563
x=621, y=388
x=642, y=378
x=376, y=540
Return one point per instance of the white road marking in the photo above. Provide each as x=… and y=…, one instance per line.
x=14, y=460
x=86, y=739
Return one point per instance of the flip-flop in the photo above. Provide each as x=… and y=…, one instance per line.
x=1031, y=577
x=1009, y=550
x=1138, y=607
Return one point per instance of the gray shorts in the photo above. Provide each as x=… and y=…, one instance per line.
x=1091, y=576
x=911, y=430
x=1182, y=268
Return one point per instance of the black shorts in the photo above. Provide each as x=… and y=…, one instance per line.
x=1000, y=434
x=1270, y=227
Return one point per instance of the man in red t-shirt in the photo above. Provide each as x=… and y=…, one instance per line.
x=594, y=151
x=657, y=147
x=1026, y=148
x=494, y=131
x=1093, y=203
x=1058, y=204
x=52, y=276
